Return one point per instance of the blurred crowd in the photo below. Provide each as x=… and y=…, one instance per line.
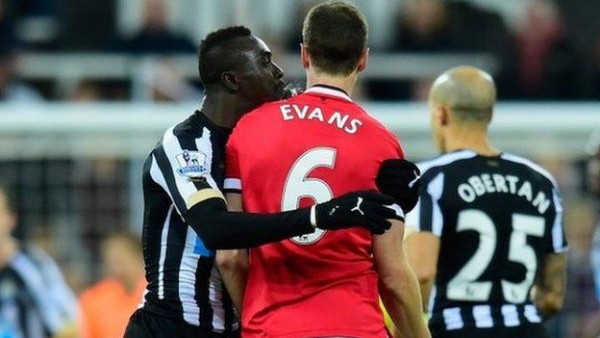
x=549, y=51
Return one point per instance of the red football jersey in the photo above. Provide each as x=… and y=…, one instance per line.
x=291, y=154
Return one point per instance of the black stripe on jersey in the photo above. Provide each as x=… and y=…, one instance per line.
x=218, y=160
x=203, y=273
x=175, y=246
x=426, y=212
x=228, y=306
x=167, y=171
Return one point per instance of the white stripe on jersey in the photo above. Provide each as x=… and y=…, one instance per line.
x=187, y=279
x=557, y=232
x=531, y=313
x=483, y=316
x=445, y=159
x=185, y=187
x=205, y=146
x=164, y=236
x=532, y=165
x=435, y=189
x=10, y=313
x=558, y=240
x=510, y=314
x=31, y=276
x=215, y=298
x=453, y=319
x=413, y=217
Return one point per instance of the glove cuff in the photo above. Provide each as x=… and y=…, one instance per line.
x=397, y=209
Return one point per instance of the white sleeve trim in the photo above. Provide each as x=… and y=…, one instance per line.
x=232, y=184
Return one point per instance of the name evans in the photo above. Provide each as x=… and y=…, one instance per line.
x=342, y=121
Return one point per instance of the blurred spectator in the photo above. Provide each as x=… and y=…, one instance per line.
x=11, y=88
x=155, y=36
x=438, y=26
x=164, y=83
x=35, y=302
x=107, y=305
x=7, y=30
x=85, y=91
x=424, y=26
x=593, y=178
x=545, y=62
x=37, y=25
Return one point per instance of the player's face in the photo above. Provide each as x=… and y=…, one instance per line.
x=261, y=79
x=7, y=218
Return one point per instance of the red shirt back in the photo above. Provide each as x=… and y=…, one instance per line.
x=291, y=154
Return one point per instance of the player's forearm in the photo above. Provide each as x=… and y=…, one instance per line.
x=220, y=229
x=233, y=266
x=401, y=296
x=549, y=291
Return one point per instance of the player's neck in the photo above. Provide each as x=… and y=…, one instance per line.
x=222, y=109
x=471, y=139
x=345, y=83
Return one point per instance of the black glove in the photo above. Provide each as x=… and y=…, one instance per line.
x=400, y=179
x=362, y=208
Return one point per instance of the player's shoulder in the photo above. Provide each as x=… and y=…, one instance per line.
x=444, y=162
x=258, y=116
x=531, y=167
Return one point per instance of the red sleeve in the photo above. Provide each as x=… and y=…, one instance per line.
x=233, y=180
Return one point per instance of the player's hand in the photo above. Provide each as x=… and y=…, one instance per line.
x=362, y=208
x=400, y=179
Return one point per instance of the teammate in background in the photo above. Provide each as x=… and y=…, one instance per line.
x=119, y=291
x=593, y=178
x=490, y=223
x=35, y=301
x=319, y=144
x=186, y=218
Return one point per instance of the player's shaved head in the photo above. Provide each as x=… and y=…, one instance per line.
x=468, y=92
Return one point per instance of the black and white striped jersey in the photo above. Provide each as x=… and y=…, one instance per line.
x=183, y=281
x=35, y=301
x=497, y=219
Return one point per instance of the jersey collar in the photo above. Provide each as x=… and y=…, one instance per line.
x=322, y=89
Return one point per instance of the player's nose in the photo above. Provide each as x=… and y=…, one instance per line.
x=277, y=71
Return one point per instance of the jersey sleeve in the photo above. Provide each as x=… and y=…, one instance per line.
x=180, y=172
x=427, y=214
x=558, y=240
x=233, y=181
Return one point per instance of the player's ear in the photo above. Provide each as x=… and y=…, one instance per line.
x=230, y=81
x=444, y=115
x=304, y=57
x=438, y=114
x=364, y=59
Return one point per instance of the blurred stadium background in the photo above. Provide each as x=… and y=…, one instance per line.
x=88, y=86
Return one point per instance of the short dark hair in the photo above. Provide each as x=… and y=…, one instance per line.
x=213, y=58
x=335, y=34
